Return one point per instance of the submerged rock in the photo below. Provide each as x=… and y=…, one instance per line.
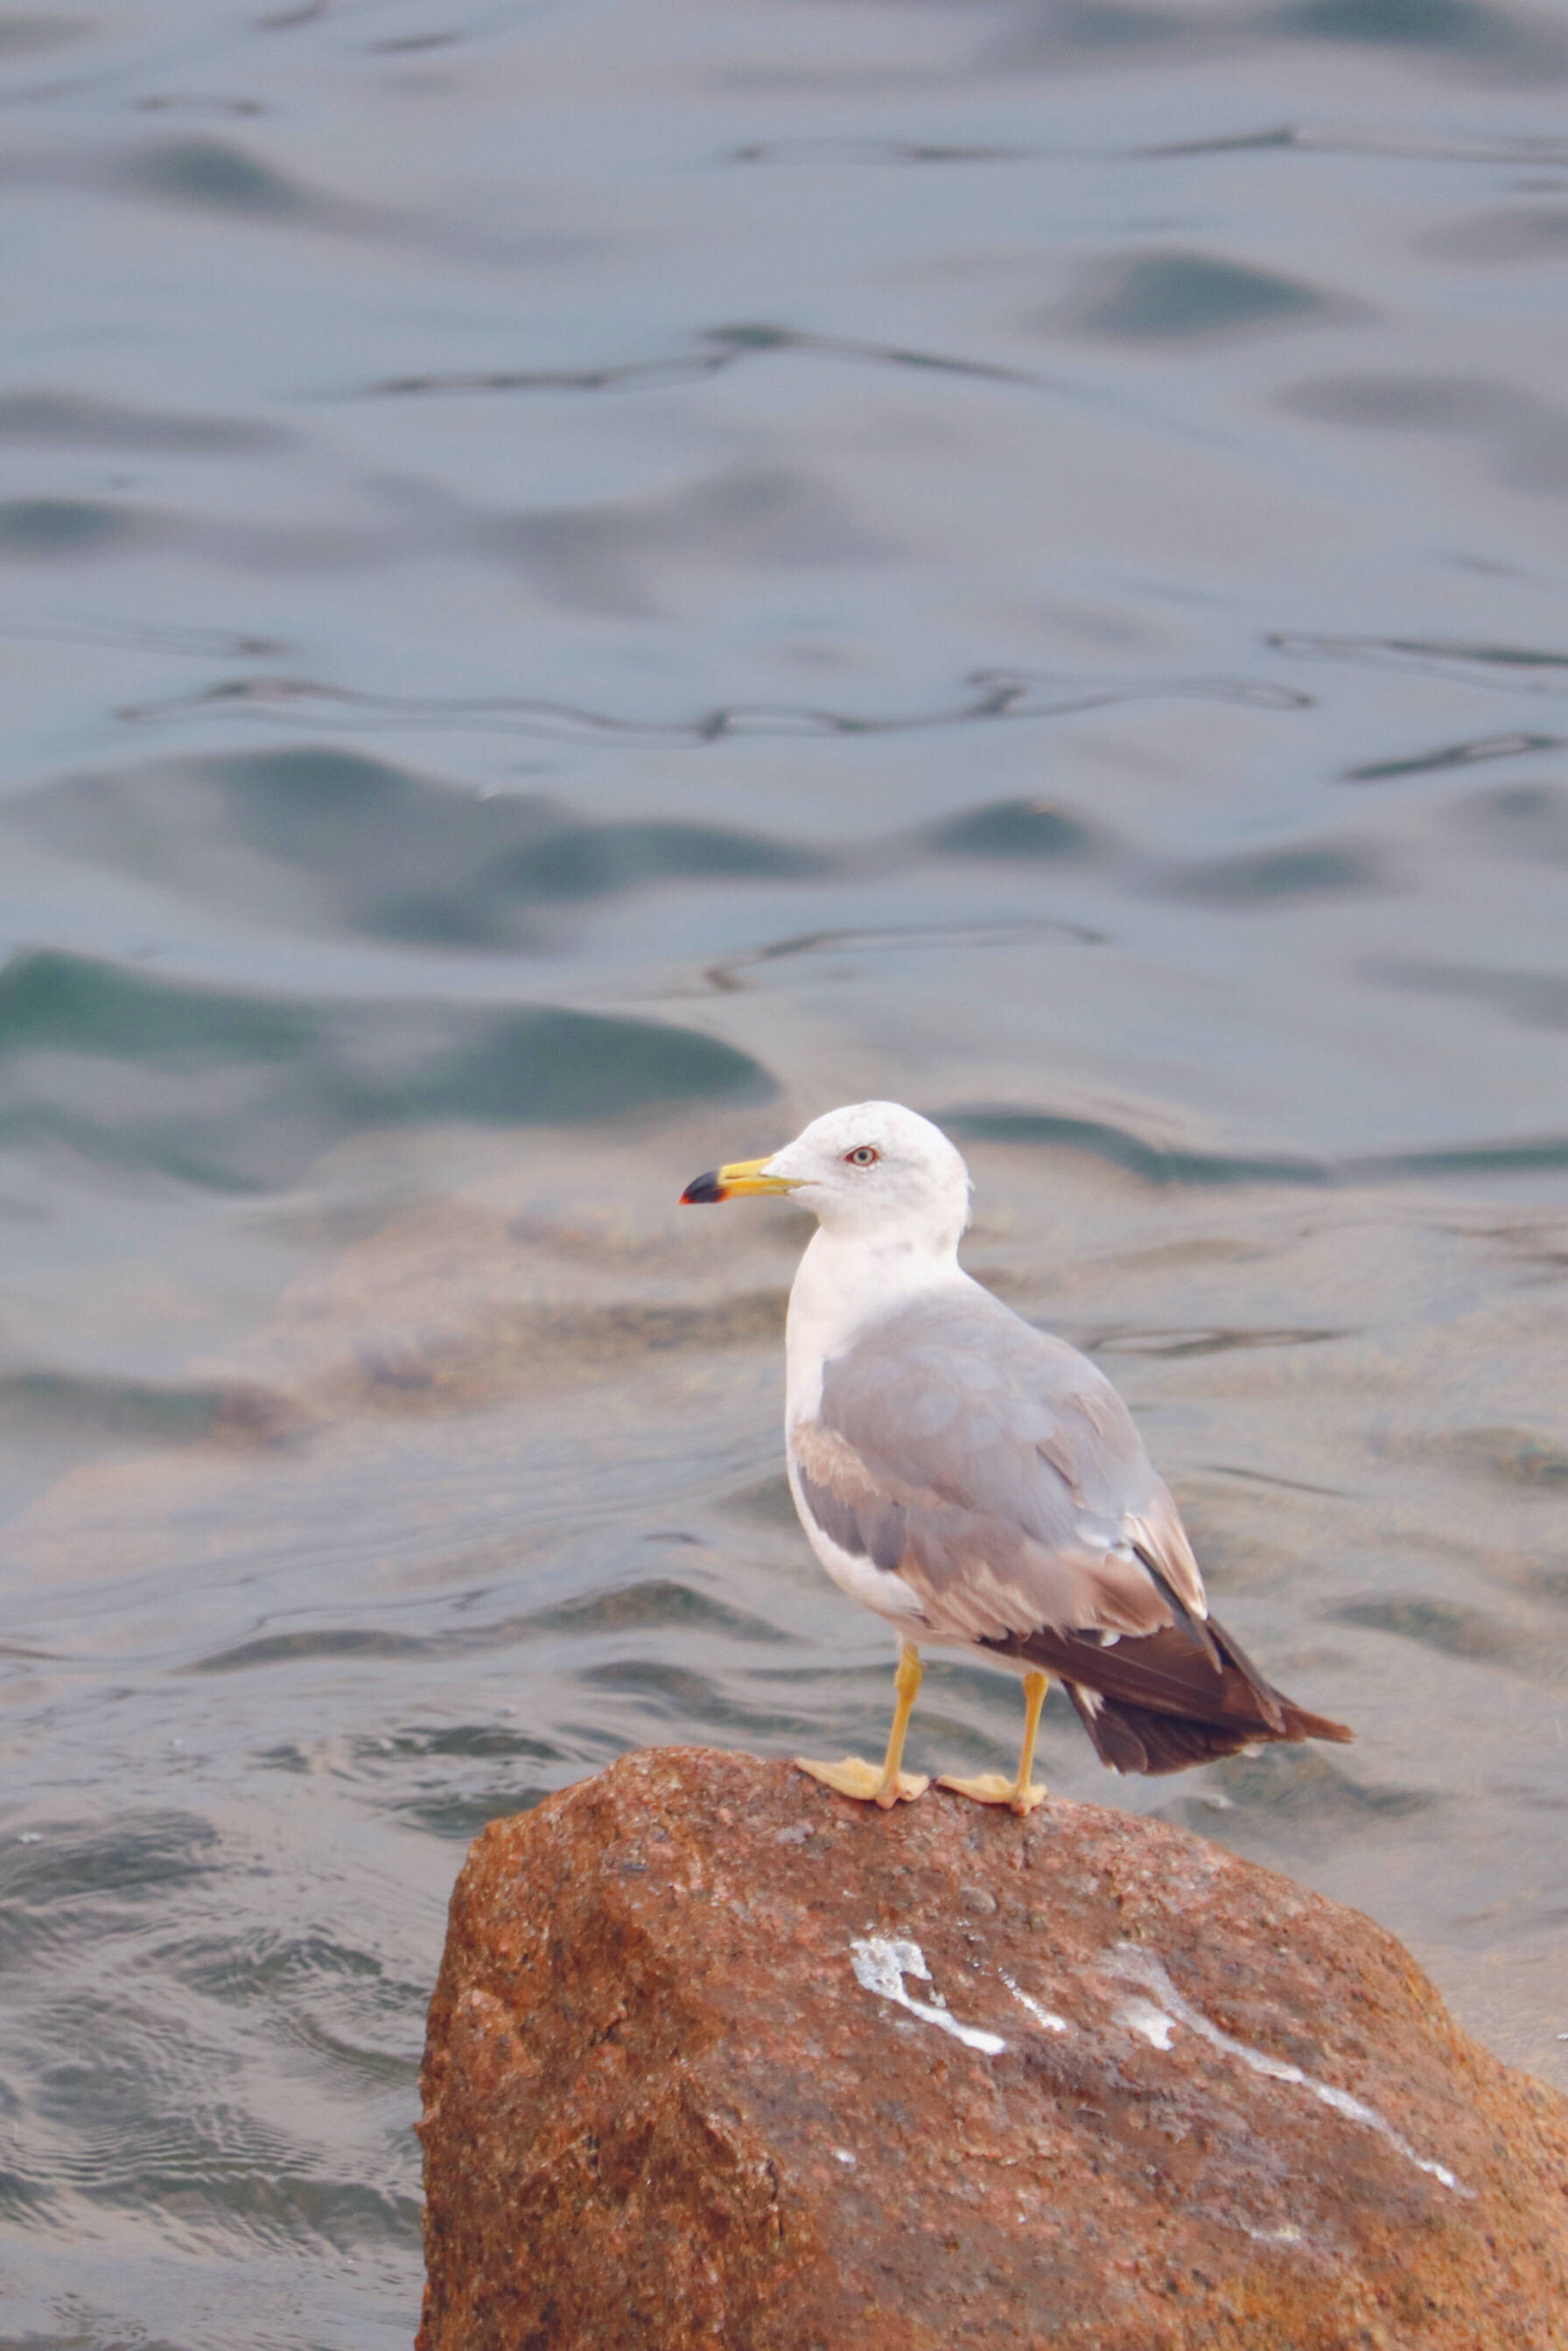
x=718, y=2059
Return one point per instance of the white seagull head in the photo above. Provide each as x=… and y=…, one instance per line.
x=872, y=1170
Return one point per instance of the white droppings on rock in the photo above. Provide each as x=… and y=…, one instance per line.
x=1046, y=2017
x=1141, y=2017
x=844, y=2156
x=1143, y=1968
x=1287, y=2233
x=881, y=1963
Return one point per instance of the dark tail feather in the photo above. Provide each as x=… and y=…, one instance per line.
x=1162, y=1701
x=1135, y=1738
x=1138, y=1738
x=1130, y=1737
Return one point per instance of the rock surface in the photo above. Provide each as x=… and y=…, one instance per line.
x=718, y=2059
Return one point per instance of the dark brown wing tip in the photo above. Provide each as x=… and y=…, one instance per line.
x=1284, y=1717
x=1195, y=1627
x=1273, y=1703
x=1298, y=1724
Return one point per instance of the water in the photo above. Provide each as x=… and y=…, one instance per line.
x=579, y=584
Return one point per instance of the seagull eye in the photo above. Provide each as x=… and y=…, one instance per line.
x=864, y=1157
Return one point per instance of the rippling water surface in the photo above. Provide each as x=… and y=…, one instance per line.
x=578, y=584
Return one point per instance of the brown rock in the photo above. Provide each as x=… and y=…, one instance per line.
x=687, y=2085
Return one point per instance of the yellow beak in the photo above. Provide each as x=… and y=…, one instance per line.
x=741, y=1176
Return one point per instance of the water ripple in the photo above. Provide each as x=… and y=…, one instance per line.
x=719, y=347
x=652, y=1605
x=144, y=636
x=1447, y=755
x=1163, y=1164
x=1535, y=669
x=1537, y=998
x=240, y=1091
x=1388, y=144
x=958, y=939
x=1526, y=438
x=994, y=695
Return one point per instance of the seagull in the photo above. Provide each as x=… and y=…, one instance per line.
x=979, y=1484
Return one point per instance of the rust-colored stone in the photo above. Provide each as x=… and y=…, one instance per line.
x=663, y=2112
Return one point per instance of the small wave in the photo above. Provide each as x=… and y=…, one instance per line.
x=719, y=347
x=1452, y=1631
x=1543, y=150
x=729, y=977
x=242, y=1091
x=1534, y=669
x=1448, y=756
x=1161, y=1164
x=143, y=636
x=991, y=694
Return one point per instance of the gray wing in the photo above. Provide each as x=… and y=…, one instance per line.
x=1002, y=1478
x=1000, y=1472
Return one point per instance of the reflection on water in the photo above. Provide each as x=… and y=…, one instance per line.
x=489, y=734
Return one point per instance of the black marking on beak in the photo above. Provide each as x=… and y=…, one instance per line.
x=704, y=1191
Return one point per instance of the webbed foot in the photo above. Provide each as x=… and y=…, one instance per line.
x=868, y=1783
x=995, y=1788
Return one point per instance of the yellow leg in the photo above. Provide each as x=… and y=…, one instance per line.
x=890, y=1785
x=1025, y=1795
x=991, y=1788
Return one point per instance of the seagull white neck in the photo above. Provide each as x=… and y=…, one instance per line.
x=845, y=1280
